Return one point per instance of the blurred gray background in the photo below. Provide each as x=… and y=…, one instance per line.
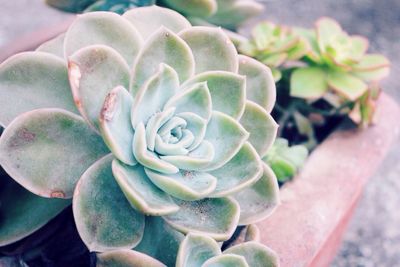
x=373, y=238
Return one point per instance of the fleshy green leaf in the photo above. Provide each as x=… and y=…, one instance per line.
x=373, y=75
x=22, y=212
x=284, y=160
x=146, y=157
x=103, y=216
x=226, y=260
x=327, y=29
x=141, y=192
x=47, y=150
x=299, y=50
x=231, y=14
x=149, y=19
x=256, y=254
x=226, y=136
x=160, y=241
x=115, y=124
x=228, y=91
x=371, y=62
x=154, y=124
x=260, y=86
x=103, y=28
x=196, y=160
x=309, y=83
x=54, y=46
x=33, y=80
x=202, y=8
x=74, y=6
x=215, y=217
x=359, y=46
x=275, y=60
x=163, y=46
x=241, y=171
x=93, y=72
x=126, y=258
x=211, y=43
x=185, y=185
x=195, y=250
x=196, y=100
x=260, y=125
x=347, y=85
x=153, y=95
x=260, y=200
x=196, y=125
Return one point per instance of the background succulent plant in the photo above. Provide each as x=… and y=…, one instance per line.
x=323, y=74
x=286, y=160
x=229, y=14
x=155, y=126
x=338, y=62
x=274, y=45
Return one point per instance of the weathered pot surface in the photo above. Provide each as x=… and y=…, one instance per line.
x=306, y=228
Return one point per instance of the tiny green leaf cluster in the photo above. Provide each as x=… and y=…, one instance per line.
x=286, y=160
x=155, y=130
x=274, y=45
x=226, y=13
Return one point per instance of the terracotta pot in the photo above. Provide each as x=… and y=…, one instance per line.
x=307, y=228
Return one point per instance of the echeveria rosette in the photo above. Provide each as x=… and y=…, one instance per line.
x=186, y=120
x=274, y=45
x=339, y=68
x=226, y=13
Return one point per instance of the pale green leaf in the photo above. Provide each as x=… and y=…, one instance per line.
x=33, y=80
x=149, y=19
x=141, y=192
x=103, y=28
x=308, y=83
x=104, y=218
x=211, y=43
x=47, y=150
x=195, y=250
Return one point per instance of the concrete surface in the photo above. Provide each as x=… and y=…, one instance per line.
x=373, y=238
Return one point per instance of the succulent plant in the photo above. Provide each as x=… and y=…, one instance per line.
x=339, y=62
x=286, y=160
x=141, y=114
x=274, y=45
x=226, y=13
x=202, y=251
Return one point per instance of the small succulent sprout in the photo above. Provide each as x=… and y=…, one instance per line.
x=274, y=45
x=337, y=62
x=285, y=160
x=172, y=123
x=202, y=251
